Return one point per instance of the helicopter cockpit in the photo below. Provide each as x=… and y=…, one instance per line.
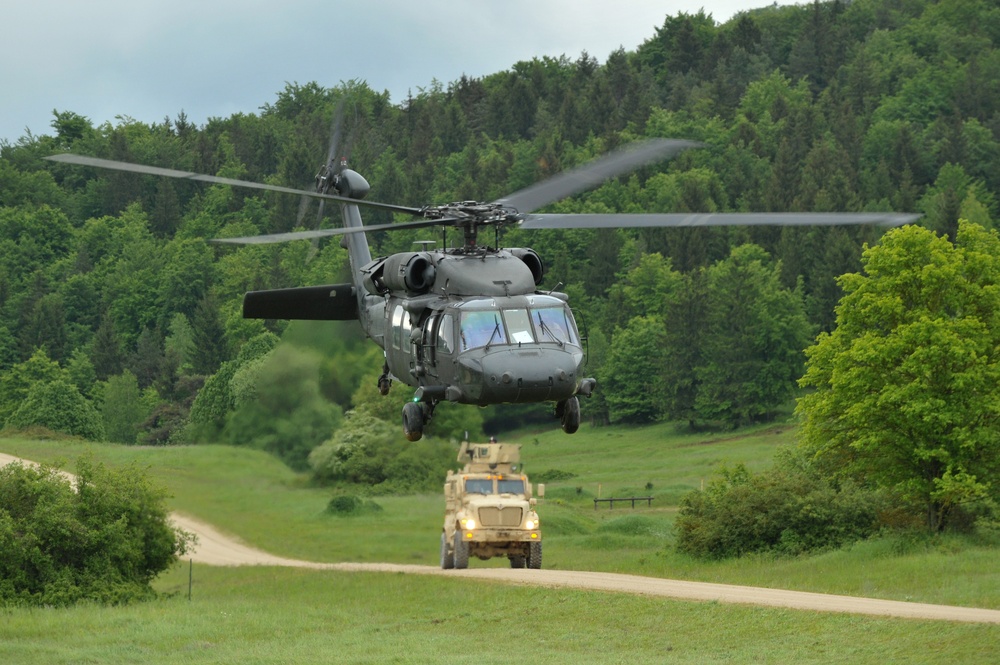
x=517, y=325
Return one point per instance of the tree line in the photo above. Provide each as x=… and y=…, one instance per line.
x=114, y=309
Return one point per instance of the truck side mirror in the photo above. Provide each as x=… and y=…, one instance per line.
x=541, y=490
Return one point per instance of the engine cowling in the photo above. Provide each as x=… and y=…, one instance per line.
x=531, y=259
x=413, y=272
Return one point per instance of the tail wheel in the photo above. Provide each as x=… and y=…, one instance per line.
x=461, y=551
x=570, y=414
x=447, y=556
x=413, y=421
x=535, y=555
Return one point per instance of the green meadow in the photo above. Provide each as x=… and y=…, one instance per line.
x=270, y=615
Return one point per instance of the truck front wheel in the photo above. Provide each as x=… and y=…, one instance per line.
x=447, y=557
x=461, y=551
x=535, y=555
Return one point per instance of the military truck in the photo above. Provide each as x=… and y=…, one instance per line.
x=489, y=509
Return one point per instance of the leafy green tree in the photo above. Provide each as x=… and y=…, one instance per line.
x=16, y=384
x=124, y=406
x=632, y=374
x=57, y=405
x=905, y=388
x=752, y=348
x=287, y=415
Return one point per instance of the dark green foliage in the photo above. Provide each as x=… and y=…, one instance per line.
x=552, y=475
x=824, y=106
x=348, y=504
x=57, y=405
x=369, y=451
x=103, y=543
x=785, y=510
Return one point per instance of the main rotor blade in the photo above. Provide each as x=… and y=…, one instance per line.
x=620, y=161
x=325, y=233
x=187, y=175
x=652, y=220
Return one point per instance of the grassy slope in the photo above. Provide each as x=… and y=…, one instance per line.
x=268, y=615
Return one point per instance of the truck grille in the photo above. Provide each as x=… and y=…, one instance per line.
x=507, y=516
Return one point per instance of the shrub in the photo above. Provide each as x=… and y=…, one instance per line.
x=785, y=510
x=348, y=504
x=104, y=542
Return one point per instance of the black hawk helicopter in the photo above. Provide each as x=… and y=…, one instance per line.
x=469, y=324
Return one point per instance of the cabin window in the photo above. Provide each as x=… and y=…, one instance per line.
x=518, y=326
x=480, y=328
x=446, y=334
x=405, y=330
x=397, y=326
x=552, y=324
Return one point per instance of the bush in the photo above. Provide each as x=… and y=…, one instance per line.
x=60, y=407
x=784, y=510
x=104, y=542
x=348, y=504
x=370, y=451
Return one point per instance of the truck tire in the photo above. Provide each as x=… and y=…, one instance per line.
x=517, y=561
x=461, y=551
x=535, y=555
x=447, y=556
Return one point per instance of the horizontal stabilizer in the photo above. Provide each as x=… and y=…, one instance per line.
x=333, y=302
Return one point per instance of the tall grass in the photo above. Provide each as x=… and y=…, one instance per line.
x=270, y=615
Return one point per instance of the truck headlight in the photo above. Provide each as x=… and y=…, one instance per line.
x=469, y=523
x=530, y=524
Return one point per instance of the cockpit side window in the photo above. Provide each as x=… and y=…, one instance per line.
x=446, y=334
x=480, y=328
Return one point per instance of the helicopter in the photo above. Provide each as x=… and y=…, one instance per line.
x=469, y=324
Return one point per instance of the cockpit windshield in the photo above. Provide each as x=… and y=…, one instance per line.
x=481, y=328
x=552, y=324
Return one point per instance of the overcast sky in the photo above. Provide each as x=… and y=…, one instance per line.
x=151, y=59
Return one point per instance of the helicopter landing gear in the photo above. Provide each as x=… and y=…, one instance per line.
x=415, y=416
x=384, y=382
x=413, y=421
x=568, y=413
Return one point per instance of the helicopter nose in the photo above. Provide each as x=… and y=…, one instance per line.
x=530, y=375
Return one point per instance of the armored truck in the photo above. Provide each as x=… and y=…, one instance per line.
x=489, y=509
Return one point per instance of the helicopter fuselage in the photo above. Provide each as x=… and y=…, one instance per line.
x=472, y=328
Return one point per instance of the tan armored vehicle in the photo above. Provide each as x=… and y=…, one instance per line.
x=489, y=509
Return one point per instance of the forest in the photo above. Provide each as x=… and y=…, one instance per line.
x=120, y=322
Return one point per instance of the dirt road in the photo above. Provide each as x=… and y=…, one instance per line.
x=218, y=549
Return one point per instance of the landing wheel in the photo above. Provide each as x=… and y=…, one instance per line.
x=569, y=414
x=413, y=421
x=461, y=551
x=535, y=555
x=447, y=556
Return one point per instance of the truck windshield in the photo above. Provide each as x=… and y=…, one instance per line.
x=479, y=486
x=510, y=486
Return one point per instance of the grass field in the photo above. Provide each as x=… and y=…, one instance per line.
x=273, y=615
